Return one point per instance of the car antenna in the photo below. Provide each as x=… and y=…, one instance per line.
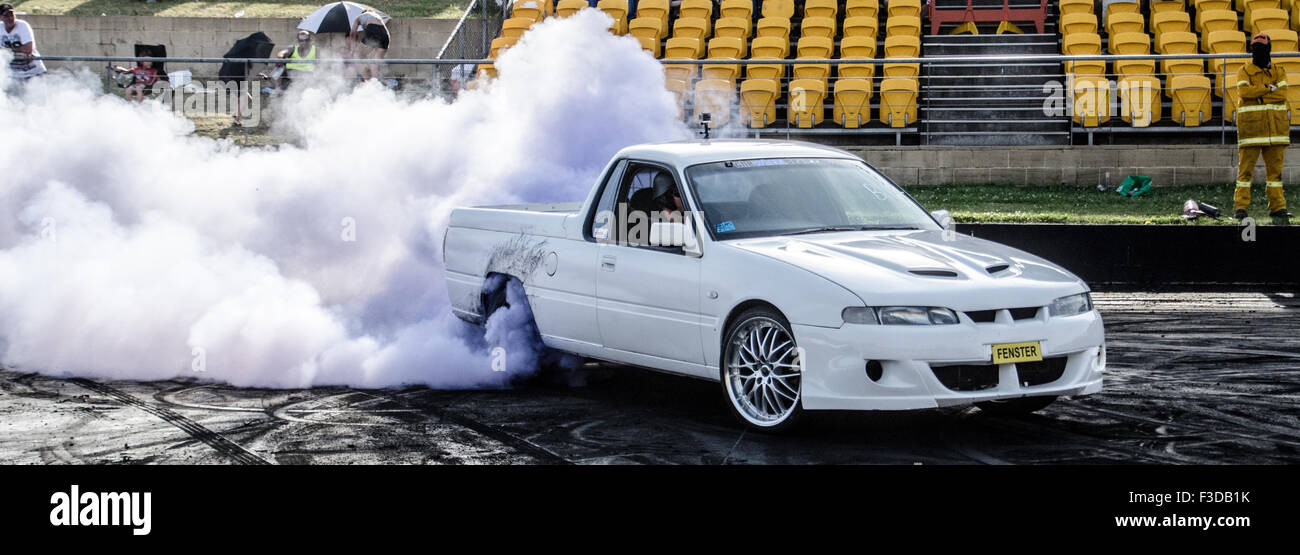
x=705, y=118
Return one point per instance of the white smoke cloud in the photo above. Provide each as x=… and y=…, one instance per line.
x=131, y=250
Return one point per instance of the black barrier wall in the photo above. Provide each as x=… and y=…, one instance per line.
x=1156, y=255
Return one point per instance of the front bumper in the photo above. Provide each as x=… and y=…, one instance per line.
x=835, y=364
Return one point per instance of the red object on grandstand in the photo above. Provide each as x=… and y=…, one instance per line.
x=987, y=15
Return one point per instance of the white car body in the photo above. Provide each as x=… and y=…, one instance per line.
x=669, y=311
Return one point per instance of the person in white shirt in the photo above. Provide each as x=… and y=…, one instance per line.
x=16, y=35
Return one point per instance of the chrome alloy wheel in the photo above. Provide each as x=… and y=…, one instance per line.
x=763, y=371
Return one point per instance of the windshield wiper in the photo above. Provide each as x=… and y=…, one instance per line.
x=824, y=229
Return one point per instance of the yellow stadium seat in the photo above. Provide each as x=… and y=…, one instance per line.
x=1135, y=67
x=806, y=107
x=515, y=27
x=817, y=27
x=645, y=26
x=486, y=72
x=862, y=8
x=692, y=28
x=1083, y=44
x=851, y=106
x=1293, y=104
x=733, y=27
x=1163, y=6
x=499, y=45
x=723, y=48
x=1231, y=100
x=1122, y=6
x=1170, y=21
x=857, y=48
x=681, y=48
x=778, y=27
x=702, y=9
x=1091, y=100
x=767, y=48
x=1191, y=99
x=902, y=47
x=657, y=9
x=1140, y=100
x=903, y=25
x=1207, y=5
x=531, y=9
x=1075, y=6
x=898, y=102
x=681, y=90
x=716, y=97
x=1210, y=21
x=1248, y=7
x=744, y=9
x=861, y=27
x=820, y=8
x=814, y=48
x=778, y=8
x=1225, y=70
x=1120, y=22
x=616, y=9
x=1284, y=40
x=566, y=8
x=649, y=44
x=1129, y=43
x=758, y=102
x=1295, y=16
x=1078, y=23
x=907, y=8
x=1265, y=19
x=1176, y=42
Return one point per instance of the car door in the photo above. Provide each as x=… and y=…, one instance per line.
x=648, y=297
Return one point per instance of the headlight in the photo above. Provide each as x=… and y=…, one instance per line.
x=1071, y=305
x=859, y=315
x=916, y=315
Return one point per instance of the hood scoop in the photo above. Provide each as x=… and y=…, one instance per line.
x=931, y=272
x=998, y=268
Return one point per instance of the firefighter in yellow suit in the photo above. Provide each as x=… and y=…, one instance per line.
x=1263, y=127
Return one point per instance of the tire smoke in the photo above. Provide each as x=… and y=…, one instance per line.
x=131, y=249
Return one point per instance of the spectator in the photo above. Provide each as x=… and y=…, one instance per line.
x=304, y=50
x=17, y=36
x=373, y=41
x=145, y=75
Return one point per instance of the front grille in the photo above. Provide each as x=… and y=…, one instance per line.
x=982, y=316
x=967, y=377
x=1041, y=372
x=1024, y=313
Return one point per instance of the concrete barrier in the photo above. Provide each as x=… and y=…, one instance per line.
x=68, y=35
x=1152, y=256
x=1071, y=165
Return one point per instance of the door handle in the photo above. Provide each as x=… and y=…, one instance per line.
x=607, y=263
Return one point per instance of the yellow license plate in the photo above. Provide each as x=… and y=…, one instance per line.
x=1027, y=351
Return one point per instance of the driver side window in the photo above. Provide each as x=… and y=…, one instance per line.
x=648, y=194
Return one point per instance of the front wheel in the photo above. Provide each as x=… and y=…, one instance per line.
x=761, y=371
x=1016, y=407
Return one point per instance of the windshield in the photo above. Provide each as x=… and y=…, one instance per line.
x=785, y=196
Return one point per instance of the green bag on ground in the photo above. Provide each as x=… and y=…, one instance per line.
x=1134, y=186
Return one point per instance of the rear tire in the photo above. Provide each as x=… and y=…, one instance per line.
x=762, y=377
x=1016, y=407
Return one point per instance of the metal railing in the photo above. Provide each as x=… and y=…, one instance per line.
x=987, y=89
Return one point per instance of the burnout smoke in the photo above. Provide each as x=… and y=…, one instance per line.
x=132, y=250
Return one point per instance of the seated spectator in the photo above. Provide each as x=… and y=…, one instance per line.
x=145, y=75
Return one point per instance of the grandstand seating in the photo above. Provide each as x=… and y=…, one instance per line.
x=857, y=95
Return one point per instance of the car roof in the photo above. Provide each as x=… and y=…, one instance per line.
x=687, y=153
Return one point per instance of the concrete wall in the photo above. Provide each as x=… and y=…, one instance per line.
x=1074, y=165
x=62, y=35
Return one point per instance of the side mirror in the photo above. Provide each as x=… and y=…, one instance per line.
x=944, y=218
x=675, y=234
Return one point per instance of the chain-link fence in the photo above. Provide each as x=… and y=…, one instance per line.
x=471, y=40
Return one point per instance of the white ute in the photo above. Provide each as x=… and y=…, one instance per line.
x=794, y=274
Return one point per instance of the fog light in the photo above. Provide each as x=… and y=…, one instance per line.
x=874, y=370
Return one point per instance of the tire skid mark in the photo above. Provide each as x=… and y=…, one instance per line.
x=212, y=439
x=518, y=443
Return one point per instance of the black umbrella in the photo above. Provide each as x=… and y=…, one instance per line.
x=336, y=18
x=256, y=45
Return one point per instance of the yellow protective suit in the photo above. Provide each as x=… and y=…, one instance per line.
x=1263, y=127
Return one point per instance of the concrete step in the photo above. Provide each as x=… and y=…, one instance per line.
x=967, y=138
x=987, y=70
x=985, y=114
x=959, y=49
x=991, y=81
x=966, y=89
